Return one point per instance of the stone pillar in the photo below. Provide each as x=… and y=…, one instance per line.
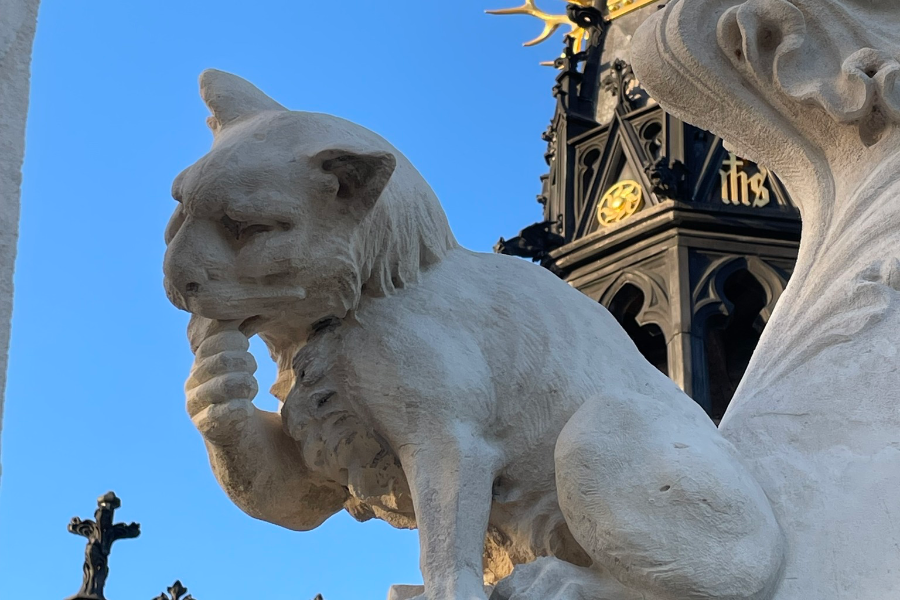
x=18, y=19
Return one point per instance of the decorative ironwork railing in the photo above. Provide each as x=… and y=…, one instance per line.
x=101, y=533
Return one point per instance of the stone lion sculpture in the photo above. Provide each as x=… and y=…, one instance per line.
x=473, y=396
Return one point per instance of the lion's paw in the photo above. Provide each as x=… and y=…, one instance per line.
x=552, y=579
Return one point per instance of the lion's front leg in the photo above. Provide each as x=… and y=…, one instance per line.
x=451, y=478
x=256, y=463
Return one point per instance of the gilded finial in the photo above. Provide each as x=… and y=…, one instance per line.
x=552, y=22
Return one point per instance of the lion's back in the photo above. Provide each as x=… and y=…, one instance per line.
x=538, y=343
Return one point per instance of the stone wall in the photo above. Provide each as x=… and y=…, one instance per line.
x=18, y=19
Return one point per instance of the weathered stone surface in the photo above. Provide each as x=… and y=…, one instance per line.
x=809, y=89
x=474, y=396
x=18, y=19
x=410, y=592
x=405, y=592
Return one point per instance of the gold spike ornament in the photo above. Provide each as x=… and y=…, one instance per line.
x=551, y=22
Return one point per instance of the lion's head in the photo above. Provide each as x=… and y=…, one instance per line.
x=292, y=217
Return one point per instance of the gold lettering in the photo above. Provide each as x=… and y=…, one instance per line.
x=738, y=188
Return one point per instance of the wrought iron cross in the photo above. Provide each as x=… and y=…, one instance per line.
x=100, y=533
x=176, y=592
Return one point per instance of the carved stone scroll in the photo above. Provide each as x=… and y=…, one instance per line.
x=808, y=88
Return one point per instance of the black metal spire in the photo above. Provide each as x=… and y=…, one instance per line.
x=100, y=533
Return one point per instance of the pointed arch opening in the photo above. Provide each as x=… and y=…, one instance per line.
x=731, y=340
x=626, y=306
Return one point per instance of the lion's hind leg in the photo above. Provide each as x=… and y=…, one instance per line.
x=659, y=499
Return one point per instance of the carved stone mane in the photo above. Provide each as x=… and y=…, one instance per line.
x=405, y=232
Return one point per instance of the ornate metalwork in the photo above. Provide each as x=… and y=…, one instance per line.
x=568, y=64
x=535, y=242
x=620, y=202
x=575, y=90
x=176, y=592
x=551, y=22
x=100, y=533
x=621, y=82
x=605, y=129
x=585, y=16
x=579, y=31
x=667, y=180
x=620, y=8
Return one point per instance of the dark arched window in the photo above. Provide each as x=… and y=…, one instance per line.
x=730, y=341
x=625, y=306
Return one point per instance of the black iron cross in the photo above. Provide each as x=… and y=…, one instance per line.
x=100, y=534
x=176, y=592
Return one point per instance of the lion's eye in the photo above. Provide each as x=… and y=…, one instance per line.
x=231, y=226
x=322, y=399
x=242, y=230
x=249, y=230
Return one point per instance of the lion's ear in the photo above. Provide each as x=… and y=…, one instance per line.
x=361, y=177
x=229, y=97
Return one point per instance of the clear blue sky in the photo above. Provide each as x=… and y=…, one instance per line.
x=94, y=400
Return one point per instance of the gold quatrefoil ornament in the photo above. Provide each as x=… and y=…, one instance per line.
x=620, y=202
